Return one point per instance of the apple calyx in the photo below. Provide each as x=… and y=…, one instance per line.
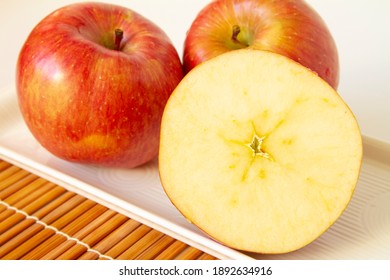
x=118, y=38
x=256, y=146
x=236, y=31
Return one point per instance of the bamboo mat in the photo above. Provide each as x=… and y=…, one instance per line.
x=41, y=220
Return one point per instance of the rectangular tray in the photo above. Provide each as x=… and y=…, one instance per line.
x=362, y=232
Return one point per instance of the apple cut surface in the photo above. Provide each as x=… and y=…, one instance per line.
x=258, y=151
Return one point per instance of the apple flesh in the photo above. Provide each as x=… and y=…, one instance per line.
x=258, y=151
x=290, y=28
x=92, y=82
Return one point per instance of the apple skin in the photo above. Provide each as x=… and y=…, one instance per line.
x=85, y=101
x=290, y=28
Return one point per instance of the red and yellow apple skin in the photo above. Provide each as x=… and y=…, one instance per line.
x=287, y=27
x=88, y=102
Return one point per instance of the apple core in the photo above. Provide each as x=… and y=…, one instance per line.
x=256, y=146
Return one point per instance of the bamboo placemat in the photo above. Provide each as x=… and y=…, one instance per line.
x=41, y=220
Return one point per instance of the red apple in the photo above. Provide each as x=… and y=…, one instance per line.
x=92, y=82
x=290, y=28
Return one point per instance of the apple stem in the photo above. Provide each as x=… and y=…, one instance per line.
x=236, y=31
x=118, y=38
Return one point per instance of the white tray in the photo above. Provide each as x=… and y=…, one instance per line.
x=362, y=232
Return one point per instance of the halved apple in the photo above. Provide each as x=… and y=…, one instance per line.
x=258, y=151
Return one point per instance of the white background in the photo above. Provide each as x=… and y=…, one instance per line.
x=302, y=270
x=361, y=29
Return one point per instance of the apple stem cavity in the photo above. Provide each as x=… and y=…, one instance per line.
x=236, y=31
x=118, y=38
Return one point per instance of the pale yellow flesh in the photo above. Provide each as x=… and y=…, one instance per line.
x=259, y=152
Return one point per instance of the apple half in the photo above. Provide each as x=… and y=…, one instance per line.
x=258, y=151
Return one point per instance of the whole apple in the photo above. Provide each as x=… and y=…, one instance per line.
x=92, y=82
x=287, y=27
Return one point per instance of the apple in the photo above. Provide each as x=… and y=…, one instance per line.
x=92, y=82
x=258, y=151
x=290, y=28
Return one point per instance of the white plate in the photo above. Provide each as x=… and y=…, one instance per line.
x=362, y=232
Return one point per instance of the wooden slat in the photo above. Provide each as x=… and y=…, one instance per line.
x=64, y=249
x=128, y=241
x=205, y=256
x=19, y=239
x=30, y=244
x=8, y=172
x=73, y=252
x=59, y=250
x=172, y=251
x=94, y=225
x=141, y=245
x=4, y=215
x=72, y=214
x=62, y=209
x=116, y=236
x=51, y=196
x=9, y=223
x=84, y=220
x=19, y=175
x=30, y=195
x=41, y=220
x=89, y=256
x=4, y=165
x=190, y=253
x=8, y=189
x=45, y=247
x=105, y=229
x=156, y=248
x=44, y=208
